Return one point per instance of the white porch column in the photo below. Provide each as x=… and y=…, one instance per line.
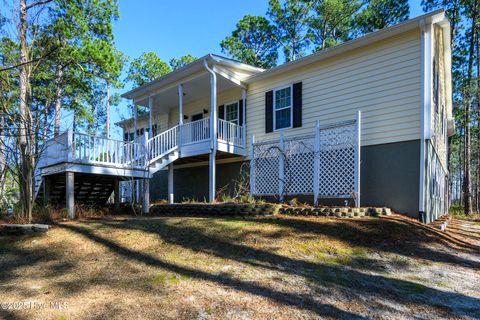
x=70, y=194
x=180, y=104
x=244, y=98
x=180, y=113
x=146, y=196
x=134, y=121
x=171, y=197
x=213, y=134
x=244, y=124
x=150, y=107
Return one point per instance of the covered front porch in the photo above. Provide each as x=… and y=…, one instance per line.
x=196, y=111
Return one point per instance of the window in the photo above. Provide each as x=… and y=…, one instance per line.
x=231, y=112
x=283, y=108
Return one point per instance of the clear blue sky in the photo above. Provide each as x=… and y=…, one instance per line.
x=175, y=28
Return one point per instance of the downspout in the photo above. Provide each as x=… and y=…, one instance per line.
x=213, y=115
x=213, y=132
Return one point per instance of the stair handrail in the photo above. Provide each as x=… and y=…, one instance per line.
x=163, y=143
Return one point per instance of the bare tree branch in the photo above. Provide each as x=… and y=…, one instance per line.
x=38, y=3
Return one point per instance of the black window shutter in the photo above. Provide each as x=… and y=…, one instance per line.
x=221, y=112
x=297, y=105
x=240, y=112
x=268, y=111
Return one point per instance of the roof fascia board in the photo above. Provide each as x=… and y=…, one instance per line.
x=184, y=74
x=227, y=74
x=234, y=64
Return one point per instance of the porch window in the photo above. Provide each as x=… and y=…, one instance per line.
x=283, y=108
x=231, y=112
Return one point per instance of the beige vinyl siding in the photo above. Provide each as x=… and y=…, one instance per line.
x=383, y=80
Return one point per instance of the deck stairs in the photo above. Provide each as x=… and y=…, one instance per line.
x=88, y=190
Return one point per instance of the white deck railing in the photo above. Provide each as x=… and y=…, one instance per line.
x=90, y=148
x=86, y=148
x=231, y=133
x=196, y=131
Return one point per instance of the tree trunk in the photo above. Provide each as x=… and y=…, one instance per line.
x=58, y=99
x=25, y=172
x=45, y=120
x=107, y=107
x=477, y=40
x=2, y=156
x=467, y=188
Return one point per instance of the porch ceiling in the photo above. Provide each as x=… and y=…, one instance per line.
x=194, y=89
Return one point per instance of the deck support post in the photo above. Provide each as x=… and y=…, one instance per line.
x=116, y=193
x=46, y=189
x=171, y=198
x=70, y=196
x=146, y=196
x=213, y=133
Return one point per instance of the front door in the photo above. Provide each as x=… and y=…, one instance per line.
x=198, y=116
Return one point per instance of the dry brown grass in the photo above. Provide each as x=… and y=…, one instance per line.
x=229, y=268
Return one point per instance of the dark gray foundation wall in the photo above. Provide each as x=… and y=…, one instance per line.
x=389, y=177
x=192, y=182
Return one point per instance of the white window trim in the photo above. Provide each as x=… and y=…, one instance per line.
x=275, y=110
x=225, y=110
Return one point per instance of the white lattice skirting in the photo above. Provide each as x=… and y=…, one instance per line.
x=325, y=165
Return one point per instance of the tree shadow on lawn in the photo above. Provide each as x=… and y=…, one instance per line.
x=391, y=235
x=296, y=300
x=14, y=257
x=319, y=274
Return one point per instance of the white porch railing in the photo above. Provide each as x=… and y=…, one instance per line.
x=231, y=133
x=195, y=131
x=163, y=143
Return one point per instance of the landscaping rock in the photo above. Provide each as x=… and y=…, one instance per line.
x=18, y=229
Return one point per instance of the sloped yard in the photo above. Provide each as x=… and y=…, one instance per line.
x=218, y=268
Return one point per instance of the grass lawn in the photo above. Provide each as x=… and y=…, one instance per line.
x=229, y=268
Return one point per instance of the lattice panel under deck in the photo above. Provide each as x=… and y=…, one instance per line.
x=336, y=164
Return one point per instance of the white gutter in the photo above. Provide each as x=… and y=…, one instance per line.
x=213, y=132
